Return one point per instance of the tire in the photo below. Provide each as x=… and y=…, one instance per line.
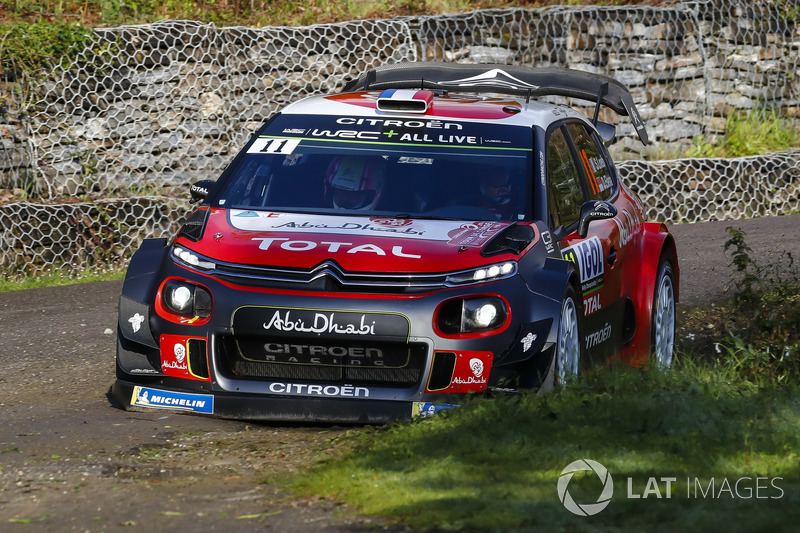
x=569, y=347
x=663, y=319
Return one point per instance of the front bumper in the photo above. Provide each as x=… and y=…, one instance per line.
x=242, y=406
x=208, y=369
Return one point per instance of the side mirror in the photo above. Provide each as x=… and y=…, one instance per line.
x=594, y=210
x=199, y=190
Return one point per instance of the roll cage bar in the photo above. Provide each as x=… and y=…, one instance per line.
x=505, y=79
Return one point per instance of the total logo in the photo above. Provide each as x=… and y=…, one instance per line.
x=330, y=247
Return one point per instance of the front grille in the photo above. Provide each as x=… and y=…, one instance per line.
x=388, y=364
x=329, y=277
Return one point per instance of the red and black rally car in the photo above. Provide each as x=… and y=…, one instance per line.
x=433, y=230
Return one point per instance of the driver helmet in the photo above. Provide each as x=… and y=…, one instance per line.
x=355, y=182
x=496, y=186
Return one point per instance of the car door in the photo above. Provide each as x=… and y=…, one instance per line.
x=579, y=171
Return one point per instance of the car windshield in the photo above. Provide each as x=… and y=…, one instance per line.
x=384, y=167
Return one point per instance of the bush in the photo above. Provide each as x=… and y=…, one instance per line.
x=755, y=132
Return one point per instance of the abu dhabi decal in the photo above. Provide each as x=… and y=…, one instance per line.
x=471, y=372
x=161, y=399
x=179, y=361
x=627, y=224
x=587, y=255
x=429, y=230
x=478, y=376
x=320, y=323
x=373, y=226
x=175, y=356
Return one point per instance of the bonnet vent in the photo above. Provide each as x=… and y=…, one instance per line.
x=194, y=227
x=405, y=101
x=514, y=239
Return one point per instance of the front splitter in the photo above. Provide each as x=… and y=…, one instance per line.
x=241, y=406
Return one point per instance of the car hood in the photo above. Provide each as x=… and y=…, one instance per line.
x=357, y=244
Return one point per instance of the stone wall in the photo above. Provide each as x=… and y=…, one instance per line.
x=146, y=110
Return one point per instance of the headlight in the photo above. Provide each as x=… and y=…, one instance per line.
x=186, y=299
x=471, y=315
x=180, y=298
x=192, y=259
x=483, y=274
x=484, y=316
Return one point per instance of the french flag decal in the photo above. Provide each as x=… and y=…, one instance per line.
x=405, y=100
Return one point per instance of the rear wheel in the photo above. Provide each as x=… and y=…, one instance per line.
x=568, y=347
x=663, y=326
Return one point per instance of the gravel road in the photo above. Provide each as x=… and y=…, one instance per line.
x=70, y=461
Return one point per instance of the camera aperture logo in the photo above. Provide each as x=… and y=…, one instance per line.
x=585, y=509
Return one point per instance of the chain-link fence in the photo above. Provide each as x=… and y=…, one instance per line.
x=99, y=155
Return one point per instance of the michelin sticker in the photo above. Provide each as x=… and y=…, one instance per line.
x=588, y=256
x=161, y=399
x=428, y=409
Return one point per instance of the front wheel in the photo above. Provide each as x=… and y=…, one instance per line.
x=568, y=348
x=663, y=325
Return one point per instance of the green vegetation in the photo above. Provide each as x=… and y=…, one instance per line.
x=56, y=278
x=253, y=13
x=493, y=464
x=727, y=413
x=31, y=46
x=754, y=132
x=37, y=33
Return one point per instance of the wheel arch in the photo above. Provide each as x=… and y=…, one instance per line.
x=655, y=244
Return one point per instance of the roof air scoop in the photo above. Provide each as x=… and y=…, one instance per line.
x=404, y=101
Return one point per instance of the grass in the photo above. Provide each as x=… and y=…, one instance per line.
x=749, y=133
x=493, y=465
x=253, y=12
x=55, y=278
x=34, y=34
x=720, y=430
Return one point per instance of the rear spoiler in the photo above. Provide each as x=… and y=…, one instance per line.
x=505, y=79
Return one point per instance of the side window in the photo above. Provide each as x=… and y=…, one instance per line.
x=566, y=195
x=596, y=171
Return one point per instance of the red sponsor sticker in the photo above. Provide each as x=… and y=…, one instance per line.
x=175, y=357
x=392, y=222
x=475, y=233
x=470, y=372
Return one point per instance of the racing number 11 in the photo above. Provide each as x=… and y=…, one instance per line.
x=273, y=146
